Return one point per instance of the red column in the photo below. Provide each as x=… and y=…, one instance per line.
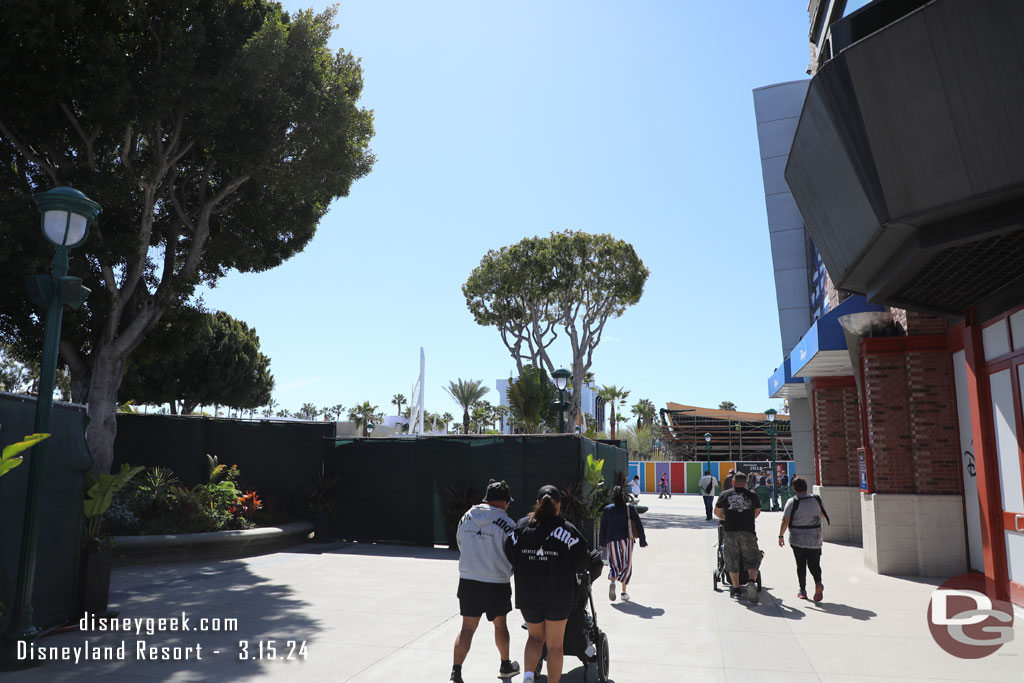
x=983, y=433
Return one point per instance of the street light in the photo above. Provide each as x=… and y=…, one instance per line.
x=773, y=432
x=65, y=215
x=369, y=429
x=561, y=376
x=707, y=439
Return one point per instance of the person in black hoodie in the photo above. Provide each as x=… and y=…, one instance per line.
x=546, y=552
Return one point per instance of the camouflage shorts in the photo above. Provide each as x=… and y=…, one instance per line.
x=741, y=544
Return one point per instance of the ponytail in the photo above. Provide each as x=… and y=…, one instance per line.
x=618, y=495
x=544, y=510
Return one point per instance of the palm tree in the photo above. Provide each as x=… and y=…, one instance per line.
x=362, y=414
x=613, y=396
x=466, y=393
x=447, y=419
x=337, y=410
x=481, y=414
x=268, y=411
x=284, y=412
x=529, y=400
x=308, y=411
x=398, y=400
x=644, y=412
x=501, y=413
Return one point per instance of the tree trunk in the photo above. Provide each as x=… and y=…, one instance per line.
x=613, y=418
x=102, y=410
x=465, y=421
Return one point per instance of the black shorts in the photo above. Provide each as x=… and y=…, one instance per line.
x=478, y=597
x=536, y=614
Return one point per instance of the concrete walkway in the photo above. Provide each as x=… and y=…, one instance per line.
x=379, y=613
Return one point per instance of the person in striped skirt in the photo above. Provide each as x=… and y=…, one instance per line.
x=620, y=529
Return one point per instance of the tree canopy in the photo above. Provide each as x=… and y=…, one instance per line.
x=214, y=133
x=570, y=282
x=193, y=358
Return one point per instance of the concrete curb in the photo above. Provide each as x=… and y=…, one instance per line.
x=207, y=545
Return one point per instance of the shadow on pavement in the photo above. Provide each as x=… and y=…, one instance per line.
x=637, y=610
x=375, y=549
x=655, y=520
x=843, y=610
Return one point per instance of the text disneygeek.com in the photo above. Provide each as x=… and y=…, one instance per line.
x=144, y=650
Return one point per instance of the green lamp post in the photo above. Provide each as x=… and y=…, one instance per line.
x=66, y=215
x=707, y=440
x=561, y=376
x=773, y=432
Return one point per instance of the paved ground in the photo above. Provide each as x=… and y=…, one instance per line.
x=376, y=614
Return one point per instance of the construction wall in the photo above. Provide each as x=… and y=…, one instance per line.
x=683, y=476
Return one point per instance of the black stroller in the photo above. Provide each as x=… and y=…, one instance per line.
x=722, y=576
x=581, y=631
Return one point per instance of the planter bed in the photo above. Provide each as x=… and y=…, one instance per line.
x=208, y=545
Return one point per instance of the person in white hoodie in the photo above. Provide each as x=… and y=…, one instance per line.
x=485, y=576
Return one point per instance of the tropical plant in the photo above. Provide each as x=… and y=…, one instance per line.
x=529, y=401
x=640, y=441
x=246, y=506
x=362, y=414
x=466, y=393
x=337, y=410
x=99, y=495
x=321, y=497
x=399, y=400
x=644, y=412
x=614, y=397
x=502, y=413
x=268, y=410
x=308, y=411
x=460, y=496
x=10, y=458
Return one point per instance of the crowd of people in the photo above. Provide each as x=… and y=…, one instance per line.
x=545, y=553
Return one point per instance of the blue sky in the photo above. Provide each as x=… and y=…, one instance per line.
x=497, y=121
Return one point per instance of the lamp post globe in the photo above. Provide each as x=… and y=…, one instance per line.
x=773, y=432
x=561, y=377
x=707, y=440
x=369, y=428
x=65, y=215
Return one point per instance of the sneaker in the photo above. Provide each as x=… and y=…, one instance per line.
x=752, y=593
x=611, y=591
x=733, y=592
x=456, y=677
x=802, y=594
x=819, y=591
x=625, y=596
x=508, y=670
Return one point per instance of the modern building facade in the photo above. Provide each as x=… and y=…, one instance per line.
x=904, y=165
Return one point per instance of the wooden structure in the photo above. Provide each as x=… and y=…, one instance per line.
x=735, y=436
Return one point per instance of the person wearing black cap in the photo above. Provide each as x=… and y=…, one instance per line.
x=485, y=576
x=546, y=552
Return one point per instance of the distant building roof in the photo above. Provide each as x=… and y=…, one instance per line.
x=734, y=415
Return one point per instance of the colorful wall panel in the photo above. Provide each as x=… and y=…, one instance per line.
x=650, y=480
x=678, y=477
x=662, y=469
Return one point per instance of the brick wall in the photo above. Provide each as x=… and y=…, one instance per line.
x=925, y=323
x=911, y=424
x=836, y=430
x=933, y=421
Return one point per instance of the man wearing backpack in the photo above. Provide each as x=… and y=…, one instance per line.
x=802, y=516
x=707, y=486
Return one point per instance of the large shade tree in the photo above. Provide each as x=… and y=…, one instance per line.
x=214, y=133
x=193, y=358
x=571, y=283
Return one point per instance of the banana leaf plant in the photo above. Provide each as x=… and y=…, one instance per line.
x=10, y=457
x=98, y=497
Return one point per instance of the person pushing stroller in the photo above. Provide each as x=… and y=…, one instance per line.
x=737, y=508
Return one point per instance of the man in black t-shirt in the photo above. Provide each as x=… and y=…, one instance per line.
x=738, y=508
